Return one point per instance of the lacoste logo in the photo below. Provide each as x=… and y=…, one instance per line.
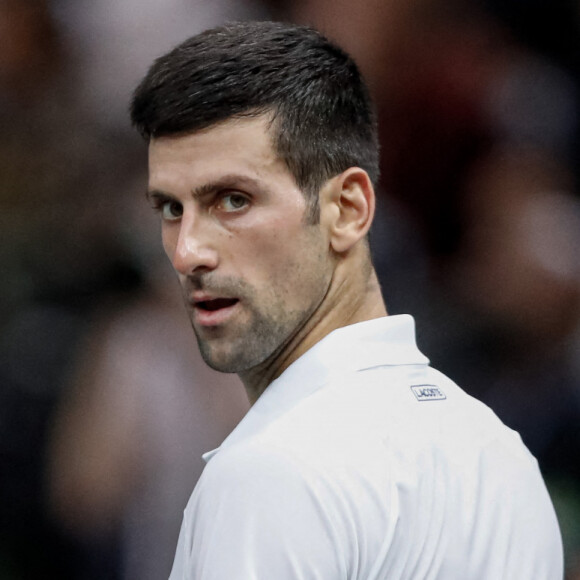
x=428, y=393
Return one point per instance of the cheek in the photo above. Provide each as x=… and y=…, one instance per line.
x=293, y=264
x=169, y=241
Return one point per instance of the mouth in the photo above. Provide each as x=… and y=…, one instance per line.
x=214, y=311
x=216, y=304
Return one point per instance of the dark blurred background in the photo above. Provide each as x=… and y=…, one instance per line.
x=105, y=407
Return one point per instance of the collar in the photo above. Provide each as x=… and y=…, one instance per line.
x=385, y=341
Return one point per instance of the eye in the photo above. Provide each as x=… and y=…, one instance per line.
x=171, y=210
x=231, y=202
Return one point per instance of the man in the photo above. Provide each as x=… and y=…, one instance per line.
x=356, y=460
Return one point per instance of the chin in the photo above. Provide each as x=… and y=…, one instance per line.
x=233, y=360
x=220, y=361
x=217, y=363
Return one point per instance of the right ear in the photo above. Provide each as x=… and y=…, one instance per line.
x=348, y=205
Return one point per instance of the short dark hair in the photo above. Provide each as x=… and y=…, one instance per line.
x=323, y=117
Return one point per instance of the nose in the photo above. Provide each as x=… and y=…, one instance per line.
x=193, y=251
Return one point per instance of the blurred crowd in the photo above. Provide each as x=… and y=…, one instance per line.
x=105, y=406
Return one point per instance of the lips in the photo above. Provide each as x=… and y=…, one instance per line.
x=215, y=304
x=214, y=311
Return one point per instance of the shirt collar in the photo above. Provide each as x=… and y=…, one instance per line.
x=389, y=340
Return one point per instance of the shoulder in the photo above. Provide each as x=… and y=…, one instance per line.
x=264, y=509
x=255, y=462
x=257, y=473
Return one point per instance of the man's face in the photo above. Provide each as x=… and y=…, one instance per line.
x=233, y=224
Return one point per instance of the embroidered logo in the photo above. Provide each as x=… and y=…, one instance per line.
x=428, y=393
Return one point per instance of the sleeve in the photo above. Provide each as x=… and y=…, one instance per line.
x=537, y=517
x=178, y=571
x=258, y=514
x=522, y=538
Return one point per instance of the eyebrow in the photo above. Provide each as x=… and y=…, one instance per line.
x=152, y=193
x=233, y=181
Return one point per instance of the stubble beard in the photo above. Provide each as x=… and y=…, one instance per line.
x=257, y=341
x=261, y=332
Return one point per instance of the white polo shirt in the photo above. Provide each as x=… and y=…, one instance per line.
x=361, y=462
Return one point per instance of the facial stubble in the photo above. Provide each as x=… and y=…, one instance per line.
x=265, y=323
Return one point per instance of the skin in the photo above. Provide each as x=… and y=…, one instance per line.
x=261, y=285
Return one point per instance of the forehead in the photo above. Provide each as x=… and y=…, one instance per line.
x=236, y=145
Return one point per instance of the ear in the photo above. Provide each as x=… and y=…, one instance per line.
x=348, y=208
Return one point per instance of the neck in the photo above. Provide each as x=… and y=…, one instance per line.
x=352, y=297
